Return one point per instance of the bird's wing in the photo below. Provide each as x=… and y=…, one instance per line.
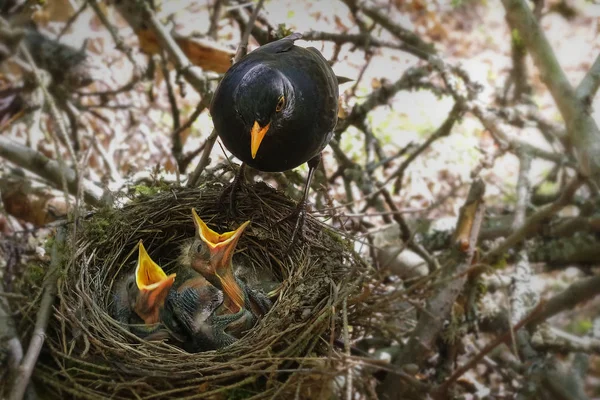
x=281, y=45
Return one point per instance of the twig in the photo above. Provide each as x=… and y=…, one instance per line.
x=48, y=169
x=358, y=39
x=215, y=16
x=190, y=72
x=119, y=42
x=21, y=380
x=194, y=178
x=442, y=131
x=243, y=47
x=349, y=375
x=589, y=84
x=71, y=20
x=177, y=148
x=414, y=44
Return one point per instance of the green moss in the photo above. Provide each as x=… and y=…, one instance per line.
x=238, y=394
x=580, y=327
x=34, y=273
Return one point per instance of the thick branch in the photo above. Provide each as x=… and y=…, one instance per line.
x=431, y=321
x=533, y=221
x=49, y=169
x=578, y=292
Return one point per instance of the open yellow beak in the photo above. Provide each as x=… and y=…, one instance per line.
x=222, y=246
x=257, y=134
x=151, y=280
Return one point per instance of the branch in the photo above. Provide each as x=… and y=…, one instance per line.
x=414, y=44
x=361, y=39
x=21, y=380
x=194, y=178
x=190, y=72
x=581, y=127
x=50, y=170
x=431, y=321
x=589, y=84
x=531, y=224
x=578, y=292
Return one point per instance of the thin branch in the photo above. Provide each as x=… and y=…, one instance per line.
x=442, y=131
x=48, y=169
x=191, y=73
x=358, y=39
x=21, y=380
x=119, y=42
x=415, y=45
x=194, y=178
x=589, y=84
x=215, y=17
x=581, y=127
x=243, y=47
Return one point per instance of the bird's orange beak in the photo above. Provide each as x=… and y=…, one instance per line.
x=221, y=247
x=153, y=284
x=257, y=134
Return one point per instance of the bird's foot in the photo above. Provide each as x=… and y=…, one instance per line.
x=227, y=199
x=228, y=196
x=300, y=215
x=259, y=303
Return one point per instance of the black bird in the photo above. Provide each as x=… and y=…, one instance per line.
x=276, y=109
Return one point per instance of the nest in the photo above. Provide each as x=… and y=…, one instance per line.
x=90, y=355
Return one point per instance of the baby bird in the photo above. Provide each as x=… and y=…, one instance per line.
x=211, y=255
x=139, y=299
x=189, y=313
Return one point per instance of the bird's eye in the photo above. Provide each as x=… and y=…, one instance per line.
x=130, y=284
x=199, y=248
x=280, y=104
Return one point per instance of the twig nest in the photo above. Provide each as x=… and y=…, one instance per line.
x=91, y=355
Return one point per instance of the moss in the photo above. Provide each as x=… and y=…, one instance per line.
x=34, y=274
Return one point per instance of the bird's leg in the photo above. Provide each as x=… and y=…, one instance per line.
x=229, y=193
x=300, y=211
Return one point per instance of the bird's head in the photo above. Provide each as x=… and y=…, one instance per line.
x=212, y=254
x=264, y=100
x=148, y=291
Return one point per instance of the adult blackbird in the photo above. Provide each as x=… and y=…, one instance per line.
x=276, y=109
x=139, y=299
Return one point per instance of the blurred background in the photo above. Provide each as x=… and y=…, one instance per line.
x=95, y=108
